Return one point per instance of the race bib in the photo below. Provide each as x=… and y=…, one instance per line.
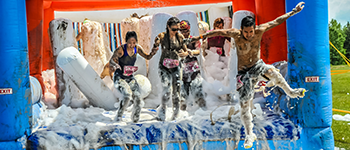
x=129, y=70
x=239, y=82
x=191, y=67
x=170, y=63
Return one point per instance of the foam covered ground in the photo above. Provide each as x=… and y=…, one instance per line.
x=67, y=128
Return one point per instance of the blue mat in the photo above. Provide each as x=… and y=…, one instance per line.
x=155, y=133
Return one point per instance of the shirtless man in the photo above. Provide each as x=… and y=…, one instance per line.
x=250, y=66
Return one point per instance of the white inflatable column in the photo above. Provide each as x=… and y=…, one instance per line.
x=62, y=36
x=85, y=78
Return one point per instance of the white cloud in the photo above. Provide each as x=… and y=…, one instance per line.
x=339, y=10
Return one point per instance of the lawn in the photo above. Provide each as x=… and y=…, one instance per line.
x=341, y=100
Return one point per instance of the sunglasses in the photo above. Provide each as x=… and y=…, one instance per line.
x=173, y=29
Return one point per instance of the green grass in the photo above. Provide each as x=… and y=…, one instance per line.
x=341, y=100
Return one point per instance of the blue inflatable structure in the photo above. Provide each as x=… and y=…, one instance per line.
x=307, y=121
x=15, y=94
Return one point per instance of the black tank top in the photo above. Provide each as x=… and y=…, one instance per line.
x=126, y=60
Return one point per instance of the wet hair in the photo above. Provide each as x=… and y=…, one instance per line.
x=171, y=21
x=248, y=21
x=130, y=34
x=218, y=21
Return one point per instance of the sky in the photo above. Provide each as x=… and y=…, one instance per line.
x=339, y=10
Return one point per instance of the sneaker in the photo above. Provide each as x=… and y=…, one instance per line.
x=298, y=93
x=249, y=141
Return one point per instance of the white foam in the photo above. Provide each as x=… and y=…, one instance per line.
x=341, y=118
x=86, y=125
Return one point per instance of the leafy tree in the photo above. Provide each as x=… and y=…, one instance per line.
x=336, y=36
x=346, y=45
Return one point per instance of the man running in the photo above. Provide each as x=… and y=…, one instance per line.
x=250, y=66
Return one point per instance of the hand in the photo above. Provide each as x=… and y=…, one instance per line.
x=154, y=51
x=182, y=53
x=299, y=7
x=190, y=52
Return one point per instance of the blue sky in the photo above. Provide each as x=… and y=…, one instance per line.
x=339, y=10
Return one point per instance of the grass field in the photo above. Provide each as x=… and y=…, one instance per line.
x=341, y=100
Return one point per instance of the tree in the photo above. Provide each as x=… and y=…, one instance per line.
x=346, y=45
x=336, y=36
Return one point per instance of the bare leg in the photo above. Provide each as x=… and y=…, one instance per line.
x=136, y=95
x=166, y=80
x=123, y=88
x=278, y=79
x=246, y=117
x=246, y=95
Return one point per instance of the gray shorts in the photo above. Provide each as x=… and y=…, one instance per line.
x=249, y=78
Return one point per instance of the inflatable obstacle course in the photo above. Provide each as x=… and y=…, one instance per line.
x=312, y=113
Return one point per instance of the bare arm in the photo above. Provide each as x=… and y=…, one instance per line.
x=279, y=20
x=79, y=36
x=222, y=32
x=114, y=61
x=157, y=40
x=185, y=51
x=196, y=51
x=144, y=55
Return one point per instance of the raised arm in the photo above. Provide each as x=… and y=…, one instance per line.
x=222, y=32
x=144, y=55
x=279, y=20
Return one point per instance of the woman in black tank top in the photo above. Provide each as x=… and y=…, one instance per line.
x=122, y=64
x=173, y=48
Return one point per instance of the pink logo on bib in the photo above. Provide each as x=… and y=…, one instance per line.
x=219, y=51
x=191, y=67
x=170, y=63
x=129, y=70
